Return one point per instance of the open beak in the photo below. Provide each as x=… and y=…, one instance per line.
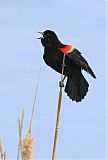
x=41, y=34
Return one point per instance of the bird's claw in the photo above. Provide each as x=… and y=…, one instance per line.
x=61, y=84
x=64, y=65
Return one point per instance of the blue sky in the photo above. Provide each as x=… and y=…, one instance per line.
x=82, y=125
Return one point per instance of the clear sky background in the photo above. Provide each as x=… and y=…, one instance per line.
x=82, y=125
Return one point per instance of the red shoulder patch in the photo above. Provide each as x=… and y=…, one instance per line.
x=67, y=49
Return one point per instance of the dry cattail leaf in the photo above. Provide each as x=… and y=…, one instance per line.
x=27, y=147
x=35, y=97
x=20, y=125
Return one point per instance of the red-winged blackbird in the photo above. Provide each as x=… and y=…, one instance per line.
x=76, y=86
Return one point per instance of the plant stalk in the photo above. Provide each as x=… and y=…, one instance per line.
x=58, y=110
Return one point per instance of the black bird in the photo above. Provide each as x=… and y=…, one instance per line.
x=76, y=86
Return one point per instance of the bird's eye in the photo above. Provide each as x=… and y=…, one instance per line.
x=46, y=35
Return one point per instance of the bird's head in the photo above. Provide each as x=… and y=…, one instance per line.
x=49, y=39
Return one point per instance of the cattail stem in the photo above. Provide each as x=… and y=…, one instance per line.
x=35, y=97
x=58, y=111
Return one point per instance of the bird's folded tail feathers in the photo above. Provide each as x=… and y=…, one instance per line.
x=90, y=71
x=76, y=88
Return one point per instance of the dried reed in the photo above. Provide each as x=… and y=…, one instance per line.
x=27, y=145
x=35, y=97
x=59, y=108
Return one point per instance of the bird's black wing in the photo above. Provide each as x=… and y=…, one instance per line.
x=78, y=59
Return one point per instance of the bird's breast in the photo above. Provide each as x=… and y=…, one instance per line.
x=53, y=59
x=53, y=55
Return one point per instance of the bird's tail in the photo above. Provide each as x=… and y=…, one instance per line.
x=76, y=88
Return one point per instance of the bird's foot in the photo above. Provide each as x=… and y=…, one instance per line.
x=64, y=65
x=61, y=84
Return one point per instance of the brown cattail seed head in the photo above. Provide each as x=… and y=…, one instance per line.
x=27, y=147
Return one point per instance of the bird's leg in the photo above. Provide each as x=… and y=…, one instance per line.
x=61, y=83
x=63, y=78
